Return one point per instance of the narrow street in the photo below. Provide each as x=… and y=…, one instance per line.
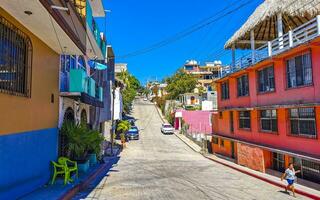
x=162, y=167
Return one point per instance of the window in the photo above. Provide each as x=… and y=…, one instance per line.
x=302, y=122
x=222, y=142
x=68, y=62
x=268, y=120
x=15, y=60
x=266, y=79
x=225, y=90
x=244, y=119
x=243, y=85
x=299, y=71
x=215, y=140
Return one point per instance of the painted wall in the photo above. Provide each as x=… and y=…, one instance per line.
x=25, y=161
x=198, y=121
x=28, y=133
x=27, y=114
x=223, y=150
x=282, y=95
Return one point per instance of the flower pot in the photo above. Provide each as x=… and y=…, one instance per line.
x=83, y=166
x=92, y=159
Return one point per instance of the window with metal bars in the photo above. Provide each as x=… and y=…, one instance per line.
x=299, y=71
x=215, y=140
x=302, y=122
x=266, y=79
x=243, y=85
x=244, y=119
x=225, y=90
x=15, y=60
x=268, y=120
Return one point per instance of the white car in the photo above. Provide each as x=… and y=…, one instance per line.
x=145, y=99
x=167, y=129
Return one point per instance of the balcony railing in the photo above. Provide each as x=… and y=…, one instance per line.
x=77, y=81
x=306, y=32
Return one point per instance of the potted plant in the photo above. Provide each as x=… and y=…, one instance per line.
x=76, y=144
x=95, y=140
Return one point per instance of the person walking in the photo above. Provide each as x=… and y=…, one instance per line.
x=290, y=175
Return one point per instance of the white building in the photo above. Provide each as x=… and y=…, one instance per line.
x=120, y=67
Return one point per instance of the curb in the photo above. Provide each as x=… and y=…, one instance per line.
x=85, y=183
x=298, y=191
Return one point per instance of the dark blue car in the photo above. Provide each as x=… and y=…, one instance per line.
x=133, y=133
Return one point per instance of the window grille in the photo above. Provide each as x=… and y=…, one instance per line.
x=243, y=86
x=15, y=60
x=244, y=119
x=268, y=120
x=266, y=80
x=299, y=71
x=302, y=122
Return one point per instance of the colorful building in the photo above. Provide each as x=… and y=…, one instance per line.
x=269, y=100
x=29, y=88
x=45, y=77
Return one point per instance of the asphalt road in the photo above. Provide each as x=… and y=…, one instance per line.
x=162, y=167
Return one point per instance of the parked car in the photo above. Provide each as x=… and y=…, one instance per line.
x=133, y=133
x=167, y=129
x=145, y=99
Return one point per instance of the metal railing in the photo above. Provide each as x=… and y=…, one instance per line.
x=293, y=38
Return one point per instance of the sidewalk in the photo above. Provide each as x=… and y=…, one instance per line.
x=60, y=191
x=300, y=189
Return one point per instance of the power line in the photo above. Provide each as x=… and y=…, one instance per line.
x=185, y=33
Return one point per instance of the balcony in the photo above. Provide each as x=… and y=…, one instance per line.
x=301, y=34
x=99, y=48
x=77, y=84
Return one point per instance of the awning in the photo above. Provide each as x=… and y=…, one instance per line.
x=97, y=65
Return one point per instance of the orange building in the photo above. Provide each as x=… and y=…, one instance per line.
x=269, y=100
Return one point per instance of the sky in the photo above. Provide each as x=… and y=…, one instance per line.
x=136, y=24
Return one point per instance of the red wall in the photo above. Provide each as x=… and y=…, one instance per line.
x=282, y=95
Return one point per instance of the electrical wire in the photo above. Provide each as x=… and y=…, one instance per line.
x=187, y=32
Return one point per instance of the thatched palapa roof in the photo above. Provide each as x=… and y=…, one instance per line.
x=264, y=20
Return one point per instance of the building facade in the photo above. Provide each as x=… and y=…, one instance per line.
x=268, y=101
x=29, y=89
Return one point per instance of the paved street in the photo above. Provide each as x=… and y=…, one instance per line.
x=162, y=167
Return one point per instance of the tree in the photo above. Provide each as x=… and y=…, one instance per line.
x=132, y=85
x=180, y=83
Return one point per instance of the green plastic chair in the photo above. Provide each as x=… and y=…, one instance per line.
x=64, y=166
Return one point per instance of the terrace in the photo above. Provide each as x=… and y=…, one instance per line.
x=275, y=27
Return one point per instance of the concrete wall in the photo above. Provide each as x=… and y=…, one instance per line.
x=28, y=114
x=198, y=121
x=28, y=126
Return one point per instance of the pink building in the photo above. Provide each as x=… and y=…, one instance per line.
x=198, y=121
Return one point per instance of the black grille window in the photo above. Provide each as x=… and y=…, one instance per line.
x=15, y=60
x=268, y=120
x=244, y=119
x=266, y=79
x=243, y=85
x=225, y=90
x=299, y=71
x=302, y=122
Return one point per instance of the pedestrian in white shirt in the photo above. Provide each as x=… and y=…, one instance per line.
x=290, y=175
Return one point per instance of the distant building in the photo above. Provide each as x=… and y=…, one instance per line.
x=120, y=67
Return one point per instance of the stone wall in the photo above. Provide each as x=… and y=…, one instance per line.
x=251, y=157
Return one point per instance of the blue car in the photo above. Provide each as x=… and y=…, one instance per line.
x=133, y=133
